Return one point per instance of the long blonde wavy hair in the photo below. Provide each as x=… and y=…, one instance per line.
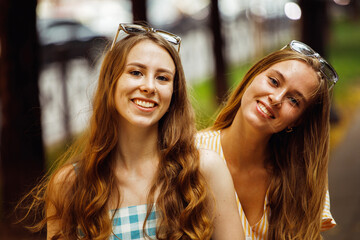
x=183, y=196
x=299, y=160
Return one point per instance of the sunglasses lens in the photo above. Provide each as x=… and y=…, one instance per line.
x=168, y=37
x=329, y=72
x=134, y=29
x=302, y=48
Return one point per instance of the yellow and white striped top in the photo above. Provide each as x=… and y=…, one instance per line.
x=211, y=140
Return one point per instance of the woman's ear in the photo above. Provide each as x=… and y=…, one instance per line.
x=292, y=126
x=289, y=129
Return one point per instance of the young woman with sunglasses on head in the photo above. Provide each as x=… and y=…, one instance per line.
x=137, y=174
x=273, y=133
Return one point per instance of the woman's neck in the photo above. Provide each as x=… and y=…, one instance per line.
x=136, y=163
x=137, y=145
x=243, y=146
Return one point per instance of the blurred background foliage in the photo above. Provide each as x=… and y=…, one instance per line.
x=344, y=53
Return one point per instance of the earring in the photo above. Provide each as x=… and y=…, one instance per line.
x=289, y=129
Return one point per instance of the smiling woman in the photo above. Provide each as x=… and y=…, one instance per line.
x=281, y=94
x=273, y=133
x=136, y=172
x=150, y=69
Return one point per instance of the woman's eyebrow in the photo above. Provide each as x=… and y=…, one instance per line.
x=300, y=95
x=136, y=64
x=280, y=75
x=143, y=66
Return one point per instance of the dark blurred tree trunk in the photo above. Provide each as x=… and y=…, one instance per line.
x=221, y=86
x=22, y=157
x=354, y=9
x=315, y=24
x=315, y=32
x=139, y=10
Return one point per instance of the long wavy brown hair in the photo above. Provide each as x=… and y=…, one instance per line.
x=298, y=160
x=81, y=204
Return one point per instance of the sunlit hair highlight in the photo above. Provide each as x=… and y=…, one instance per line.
x=82, y=203
x=298, y=160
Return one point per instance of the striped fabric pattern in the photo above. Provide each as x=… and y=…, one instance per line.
x=128, y=223
x=211, y=140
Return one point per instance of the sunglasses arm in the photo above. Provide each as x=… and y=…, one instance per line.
x=116, y=36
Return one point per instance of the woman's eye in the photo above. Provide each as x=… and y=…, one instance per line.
x=162, y=78
x=274, y=81
x=136, y=73
x=294, y=101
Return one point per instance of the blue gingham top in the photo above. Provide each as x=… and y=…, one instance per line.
x=128, y=223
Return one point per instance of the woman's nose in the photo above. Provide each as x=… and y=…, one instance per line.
x=148, y=85
x=277, y=98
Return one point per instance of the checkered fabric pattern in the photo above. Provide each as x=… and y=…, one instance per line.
x=128, y=223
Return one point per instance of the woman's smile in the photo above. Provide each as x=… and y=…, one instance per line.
x=264, y=110
x=144, y=103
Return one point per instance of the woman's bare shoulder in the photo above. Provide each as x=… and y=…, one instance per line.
x=227, y=220
x=210, y=161
x=66, y=174
x=213, y=167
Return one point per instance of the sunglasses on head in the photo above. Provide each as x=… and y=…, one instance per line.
x=326, y=69
x=139, y=29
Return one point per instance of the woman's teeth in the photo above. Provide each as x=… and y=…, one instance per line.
x=144, y=103
x=264, y=110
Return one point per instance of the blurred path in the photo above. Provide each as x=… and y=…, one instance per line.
x=344, y=185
